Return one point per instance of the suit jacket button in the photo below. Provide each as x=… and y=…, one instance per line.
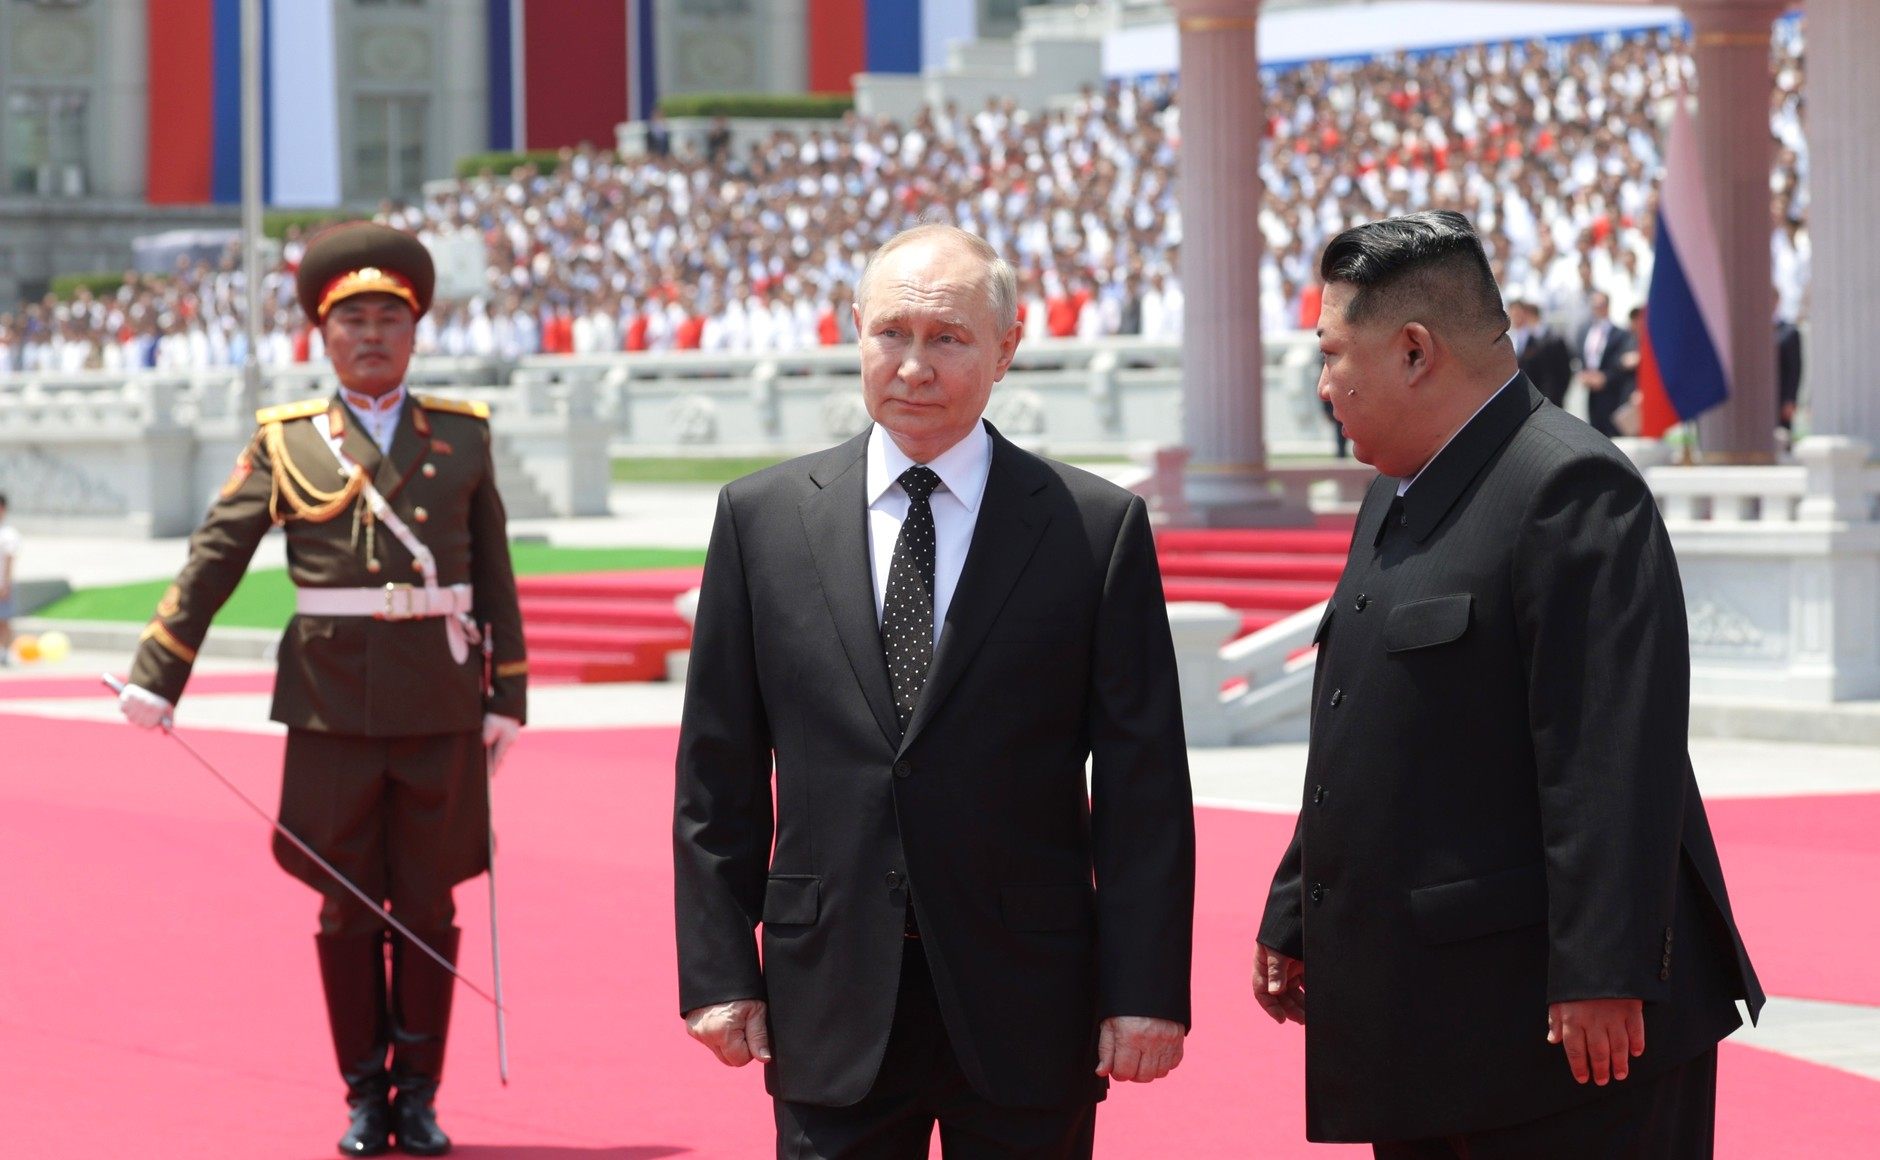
x=1318, y=893
x=903, y=769
x=1318, y=795
x=1361, y=603
x=420, y=515
x=1338, y=697
x=430, y=470
x=894, y=880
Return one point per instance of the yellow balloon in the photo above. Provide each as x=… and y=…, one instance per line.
x=26, y=648
x=54, y=646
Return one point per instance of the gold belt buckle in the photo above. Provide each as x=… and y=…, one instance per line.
x=399, y=603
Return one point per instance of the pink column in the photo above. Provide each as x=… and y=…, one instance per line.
x=1843, y=216
x=1222, y=112
x=1731, y=41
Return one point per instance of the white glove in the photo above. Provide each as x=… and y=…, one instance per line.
x=143, y=708
x=499, y=733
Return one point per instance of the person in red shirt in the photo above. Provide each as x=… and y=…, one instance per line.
x=635, y=337
x=691, y=332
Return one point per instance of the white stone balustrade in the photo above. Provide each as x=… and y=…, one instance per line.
x=1238, y=692
x=147, y=449
x=1781, y=569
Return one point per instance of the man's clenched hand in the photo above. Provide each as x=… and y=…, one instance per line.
x=1138, y=1049
x=737, y=1032
x=143, y=708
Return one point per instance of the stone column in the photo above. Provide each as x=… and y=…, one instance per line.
x=121, y=121
x=462, y=122
x=1844, y=160
x=1222, y=111
x=1731, y=42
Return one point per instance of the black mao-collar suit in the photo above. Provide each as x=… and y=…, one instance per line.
x=1043, y=906
x=1499, y=808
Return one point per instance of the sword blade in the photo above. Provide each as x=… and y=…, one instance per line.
x=496, y=942
x=331, y=871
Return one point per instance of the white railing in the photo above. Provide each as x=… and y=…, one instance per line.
x=1237, y=692
x=1831, y=482
x=1069, y=397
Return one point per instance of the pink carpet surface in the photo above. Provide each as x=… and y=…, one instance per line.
x=159, y=996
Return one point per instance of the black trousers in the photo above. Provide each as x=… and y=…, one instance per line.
x=921, y=1084
x=403, y=818
x=1670, y=1116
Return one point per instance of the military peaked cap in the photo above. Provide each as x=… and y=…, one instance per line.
x=364, y=258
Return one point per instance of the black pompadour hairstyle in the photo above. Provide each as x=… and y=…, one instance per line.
x=1428, y=267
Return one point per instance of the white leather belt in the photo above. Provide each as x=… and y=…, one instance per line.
x=390, y=602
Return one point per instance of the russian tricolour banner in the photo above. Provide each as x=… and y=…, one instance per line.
x=1684, y=342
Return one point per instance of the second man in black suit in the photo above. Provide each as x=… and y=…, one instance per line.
x=1542, y=353
x=926, y=633
x=1608, y=365
x=1502, y=918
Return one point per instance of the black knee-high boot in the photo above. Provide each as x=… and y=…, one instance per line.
x=352, y=970
x=421, y=994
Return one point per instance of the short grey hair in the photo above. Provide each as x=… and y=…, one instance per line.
x=1001, y=279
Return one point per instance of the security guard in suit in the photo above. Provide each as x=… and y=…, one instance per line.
x=401, y=674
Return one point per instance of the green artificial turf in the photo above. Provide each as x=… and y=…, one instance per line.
x=265, y=597
x=688, y=469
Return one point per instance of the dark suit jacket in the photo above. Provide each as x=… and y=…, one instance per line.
x=1043, y=907
x=1499, y=808
x=1788, y=368
x=1620, y=379
x=1546, y=360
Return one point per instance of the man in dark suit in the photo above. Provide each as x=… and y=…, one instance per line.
x=1788, y=372
x=1500, y=821
x=1542, y=353
x=1607, y=374
x=926, y=632
x=396, y=543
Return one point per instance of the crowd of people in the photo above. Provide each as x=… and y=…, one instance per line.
x=1552, y=148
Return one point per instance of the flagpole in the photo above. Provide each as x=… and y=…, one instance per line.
x=251, y=203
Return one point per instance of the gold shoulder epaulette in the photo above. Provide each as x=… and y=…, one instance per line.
x=285, y=411
x=468, y=407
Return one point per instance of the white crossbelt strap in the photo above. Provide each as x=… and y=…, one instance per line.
x=391, y=602
x=459, y=627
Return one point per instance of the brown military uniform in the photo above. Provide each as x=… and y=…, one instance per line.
x=384, y=769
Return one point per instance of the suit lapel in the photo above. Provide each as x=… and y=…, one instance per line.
x=1456, y=466
x=1011, y=521
x=411, y=442
x=835, y=520
x=355, y=440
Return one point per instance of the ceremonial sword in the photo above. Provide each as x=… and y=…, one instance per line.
x=169, y=730
x=496, y=942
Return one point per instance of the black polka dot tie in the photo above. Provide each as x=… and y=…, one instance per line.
x=907, y=613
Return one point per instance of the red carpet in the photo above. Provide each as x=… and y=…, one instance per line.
x=158, y=996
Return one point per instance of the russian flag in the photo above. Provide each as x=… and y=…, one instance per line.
x=1684, y=338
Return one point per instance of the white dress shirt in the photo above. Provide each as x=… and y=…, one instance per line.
x=962, y=469
x=1403, y=485
x=378, y=417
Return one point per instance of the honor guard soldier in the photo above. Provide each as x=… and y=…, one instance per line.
x=401, y=675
